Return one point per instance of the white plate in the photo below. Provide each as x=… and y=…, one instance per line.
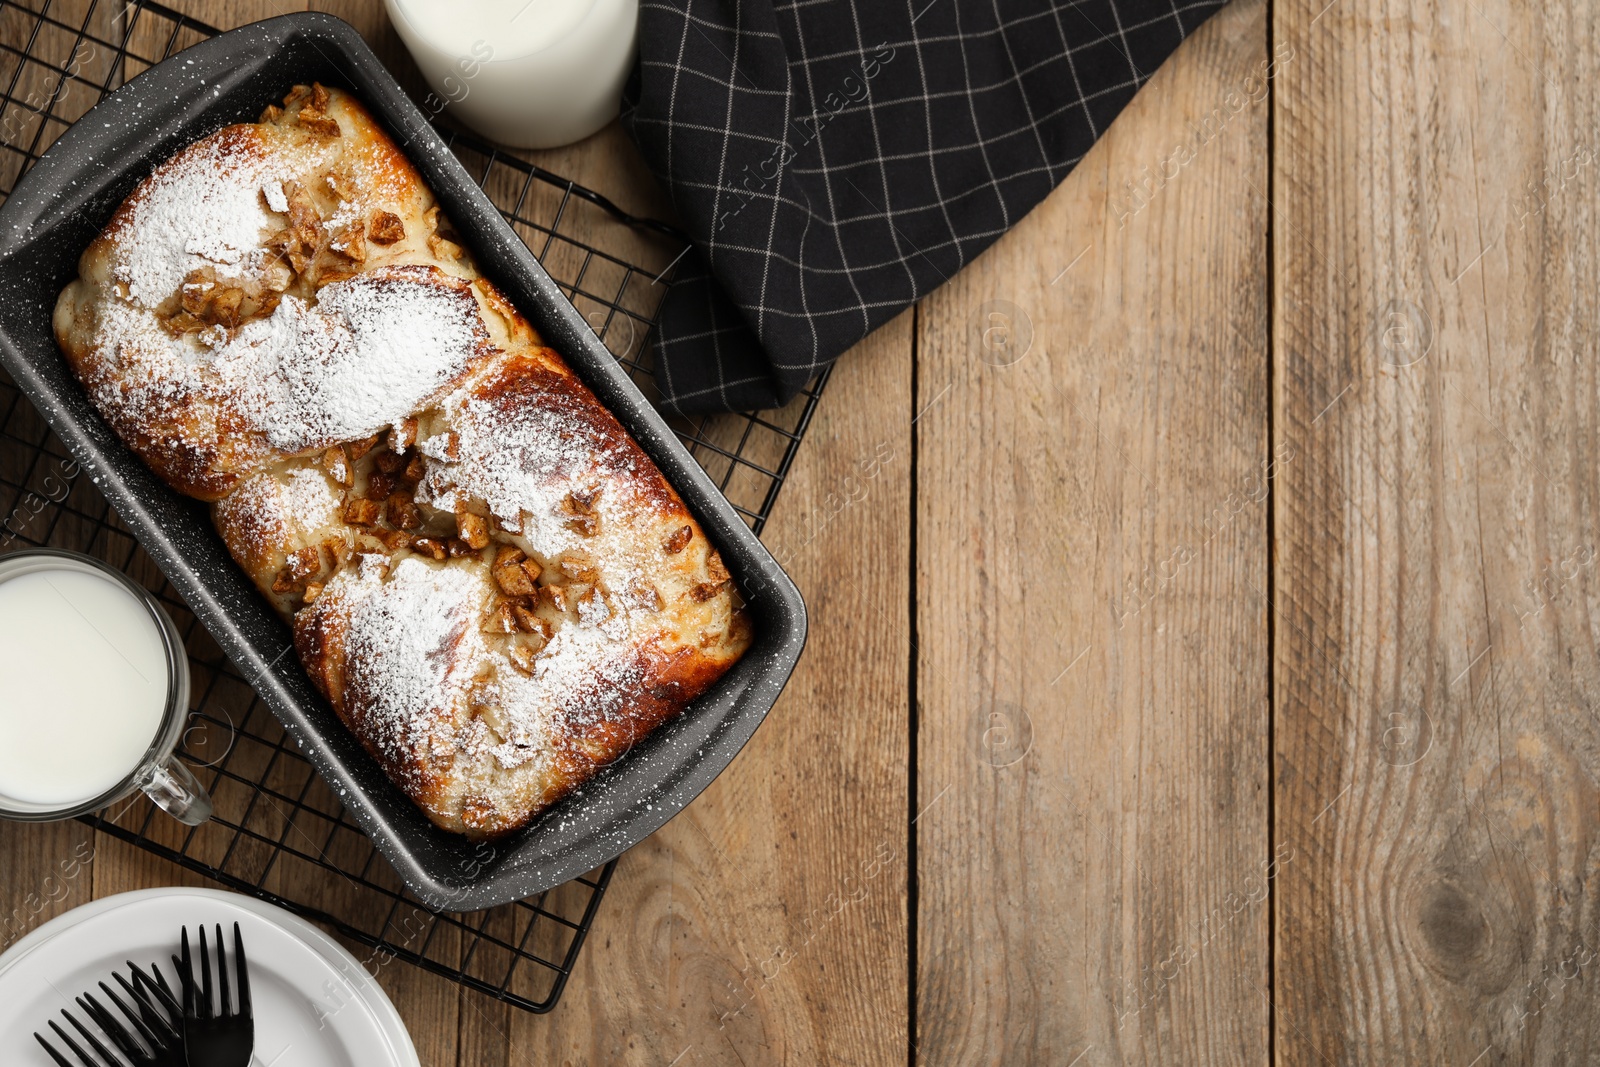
x=314, y=1003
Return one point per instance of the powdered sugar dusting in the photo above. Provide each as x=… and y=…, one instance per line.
x=265, y=515
x=349, y=213
x=150, y=364
x=371, y=351
x=405, y=654
x=521, y=466
x=585, y=668
x=204, y=207
x=414, y=646
x=586, y=674
x=524, y=460
x=309, y=500
x=276, y=199
x=374, y=349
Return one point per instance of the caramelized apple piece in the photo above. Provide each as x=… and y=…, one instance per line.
x=402, y=437
x=300, y=566
x=706, y=590
x=579, y=568
x=474, y=529
x=524, y=657
x=387, y=228
x=431, y=546
x=403, y=512
x=361, y=448
x=501, y=620
x=352, y=244
x=337, y=464
x=528, y=622
x=678, y=541
x=514, y=578
x=361, y=512
x=380, y=486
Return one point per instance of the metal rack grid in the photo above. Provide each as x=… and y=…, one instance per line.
x=279, y=833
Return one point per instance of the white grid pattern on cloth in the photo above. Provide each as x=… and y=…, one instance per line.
x=979, y=111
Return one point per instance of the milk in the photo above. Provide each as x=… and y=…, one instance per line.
x=514, y=28
x=527, y=73
x=83, y=686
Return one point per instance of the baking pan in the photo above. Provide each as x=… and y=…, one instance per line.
x=56, y=211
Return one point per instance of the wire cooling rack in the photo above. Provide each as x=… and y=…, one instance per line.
x=278, y=832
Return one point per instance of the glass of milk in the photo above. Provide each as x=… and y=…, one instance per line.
x=525, y=73
x=96, y=692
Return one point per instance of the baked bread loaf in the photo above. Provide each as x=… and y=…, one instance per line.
x=492, y=584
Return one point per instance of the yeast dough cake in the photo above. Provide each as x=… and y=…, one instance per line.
x=492, y=584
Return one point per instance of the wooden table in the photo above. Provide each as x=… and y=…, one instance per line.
x=1206, y=676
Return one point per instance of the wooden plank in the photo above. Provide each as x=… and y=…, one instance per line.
x=225, y=16
x=1091, y=570
x=45, y=869
x=1436, y=667
x=767, y=923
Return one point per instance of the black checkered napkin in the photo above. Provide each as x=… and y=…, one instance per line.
x=834, y=160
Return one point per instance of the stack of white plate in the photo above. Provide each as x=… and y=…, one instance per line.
x=315, y=1004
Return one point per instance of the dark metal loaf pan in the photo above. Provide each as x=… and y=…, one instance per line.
x=53, y=215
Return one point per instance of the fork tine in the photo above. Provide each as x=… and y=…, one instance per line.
x=223, y=1008
x=157, y=1020
x=244, y=972
x=186, y=975
x=207, y=987
x=77, y=1050
x=107, y=1022
x=159, y=987
x=183, y=981
x=62, y=1060
x=134, y=1017
x=161, y=980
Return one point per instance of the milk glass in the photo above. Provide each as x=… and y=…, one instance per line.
x=525, y=73
x=141, y=625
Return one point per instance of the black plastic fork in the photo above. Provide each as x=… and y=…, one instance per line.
x=216, y=1033
x=150, y=1036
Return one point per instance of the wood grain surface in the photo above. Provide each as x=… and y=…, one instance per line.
x=1203, y=658
x=1091, y=568
x=1436, y=670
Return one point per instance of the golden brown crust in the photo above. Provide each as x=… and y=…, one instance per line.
x=539, y=380
x=494, y=587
